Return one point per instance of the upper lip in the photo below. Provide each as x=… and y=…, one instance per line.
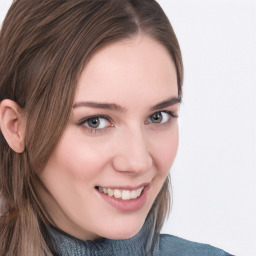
x=143, y=185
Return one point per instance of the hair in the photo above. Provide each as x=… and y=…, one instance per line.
x=44, y=47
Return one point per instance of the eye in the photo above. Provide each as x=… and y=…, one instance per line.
x=161, y=117
x=95, y=123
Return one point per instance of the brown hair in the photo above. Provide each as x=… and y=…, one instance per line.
x=44, y=46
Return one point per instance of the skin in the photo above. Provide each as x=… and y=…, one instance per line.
x=127, y=150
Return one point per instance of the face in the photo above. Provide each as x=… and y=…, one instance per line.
x=119, y=145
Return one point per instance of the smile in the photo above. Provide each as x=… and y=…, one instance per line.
x=122, y=193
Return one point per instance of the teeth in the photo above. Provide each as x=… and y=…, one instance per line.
x=139, y=191
x=122, y=194
x=117, y=193
x=110, y=192
x=133, y=194
x=126, y=195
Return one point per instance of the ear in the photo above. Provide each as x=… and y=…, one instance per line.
x=13, y=124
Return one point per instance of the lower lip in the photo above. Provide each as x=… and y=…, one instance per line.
x=126, y=205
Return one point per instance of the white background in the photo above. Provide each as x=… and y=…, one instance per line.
x=214, y=176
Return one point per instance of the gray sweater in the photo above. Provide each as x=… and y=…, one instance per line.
x=167, y=245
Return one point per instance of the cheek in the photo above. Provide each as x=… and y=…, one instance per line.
x=76, y=159
x=165, y=150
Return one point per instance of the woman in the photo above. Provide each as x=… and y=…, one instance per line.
x=90, y=93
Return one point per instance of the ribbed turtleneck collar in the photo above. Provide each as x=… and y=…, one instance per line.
x=135, y=246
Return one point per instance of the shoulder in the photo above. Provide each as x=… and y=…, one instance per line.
x=173, y=245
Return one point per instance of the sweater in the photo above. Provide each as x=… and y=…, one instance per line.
x=167, y=245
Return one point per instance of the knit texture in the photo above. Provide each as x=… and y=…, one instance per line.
x=167, y=245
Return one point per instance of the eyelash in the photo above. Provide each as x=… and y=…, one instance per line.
x=85, y=120
x=170, y=116
x=91, y=130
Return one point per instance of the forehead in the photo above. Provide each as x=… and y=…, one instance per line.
x=128, y=69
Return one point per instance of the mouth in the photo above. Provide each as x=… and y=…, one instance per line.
x=122, y=194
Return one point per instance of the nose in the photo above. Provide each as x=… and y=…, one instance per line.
x=132, y=153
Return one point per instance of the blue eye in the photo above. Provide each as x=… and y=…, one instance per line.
x=97, y=122
x=161, y=117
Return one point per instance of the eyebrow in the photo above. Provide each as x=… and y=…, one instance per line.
x=115, y=107
x=167, y=103
x=109, y=106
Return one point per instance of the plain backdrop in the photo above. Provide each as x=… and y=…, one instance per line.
x=214, y=175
